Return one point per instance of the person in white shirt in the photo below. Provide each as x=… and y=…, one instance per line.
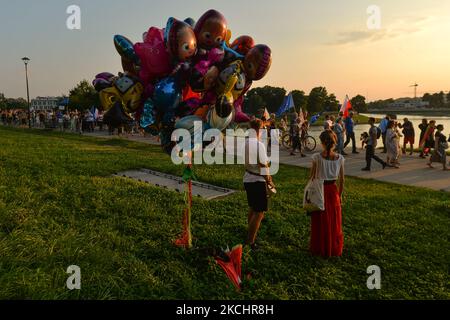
x=256, y=181
x=327, y=239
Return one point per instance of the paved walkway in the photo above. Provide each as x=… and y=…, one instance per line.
x=413, y=170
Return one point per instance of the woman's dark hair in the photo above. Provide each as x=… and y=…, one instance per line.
x=328, y=139
x=391, y=124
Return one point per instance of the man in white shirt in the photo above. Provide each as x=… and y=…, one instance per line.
x=256, y=181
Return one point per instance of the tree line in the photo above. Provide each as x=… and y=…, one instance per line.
x=12, y=103
x=438, y=100
x=83, y=96
x=318, y=100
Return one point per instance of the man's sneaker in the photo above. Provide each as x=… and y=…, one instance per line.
x=384, y=165
x=355, y=152
x=365, y=169
x=344, y=153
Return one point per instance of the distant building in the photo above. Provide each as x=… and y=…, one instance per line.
x=408, y=103
x=45, y=103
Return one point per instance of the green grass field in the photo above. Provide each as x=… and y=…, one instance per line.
x=60, y=206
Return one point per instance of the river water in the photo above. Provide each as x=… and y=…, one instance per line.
x=415, y=119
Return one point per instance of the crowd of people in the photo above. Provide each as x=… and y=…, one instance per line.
x=326, y=237
x=432, y=141
x=67, y=121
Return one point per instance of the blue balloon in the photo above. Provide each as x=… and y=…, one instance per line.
x=167, y=97
x=190, y=22
x=148, y=118
x=126, y=49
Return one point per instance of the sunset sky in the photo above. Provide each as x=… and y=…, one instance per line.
x=314, y=43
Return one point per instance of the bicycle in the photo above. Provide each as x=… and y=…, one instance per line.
x=309, y=144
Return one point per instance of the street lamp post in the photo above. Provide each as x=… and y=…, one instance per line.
x=26, y=61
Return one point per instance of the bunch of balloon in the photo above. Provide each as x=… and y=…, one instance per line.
x=187, y=71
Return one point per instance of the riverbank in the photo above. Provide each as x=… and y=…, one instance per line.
x=358, y=118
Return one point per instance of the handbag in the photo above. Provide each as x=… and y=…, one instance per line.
x=313, y=199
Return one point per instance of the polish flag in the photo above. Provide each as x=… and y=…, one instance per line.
x=346, y=107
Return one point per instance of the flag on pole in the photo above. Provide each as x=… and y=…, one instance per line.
x=266, y=115
x=287, y=105
x=346, y=107
x=315, y=118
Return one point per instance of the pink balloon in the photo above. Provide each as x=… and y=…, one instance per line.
x=155, y=60
x=239, y=115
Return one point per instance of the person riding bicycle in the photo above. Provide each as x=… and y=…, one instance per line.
x=297, y=137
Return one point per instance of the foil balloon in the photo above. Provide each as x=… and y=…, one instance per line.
x=211, y=30
x=257, y=62
x=180, y=40
x=239, y=115
x=190, y=22
x=126, y=49
x=243, y=44
x=195, y=126
x=232, y=80
x=105, y=75
x=126, y=90
x=101, y=84
x=155, y=59
x=131, y=93
x=148, y=119
x=217, y=122
x=167, y=97
x=204, y=73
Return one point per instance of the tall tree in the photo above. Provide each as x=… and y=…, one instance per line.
x=331, y=103
x=83, y=96
x=19, y=103
x=300, y=99
x=3, y=101
x=317, y=99
x=271, y=98
x=359, y=103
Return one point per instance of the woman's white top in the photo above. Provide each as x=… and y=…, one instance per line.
x=328, y=169
x=255, y=154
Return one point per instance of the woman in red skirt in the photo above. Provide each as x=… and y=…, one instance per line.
x=327, y=238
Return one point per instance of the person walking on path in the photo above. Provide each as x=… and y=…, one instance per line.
x=427, y=142
x=371, y=145
x=392, y=145
x=338, y=129
x=257, y=180
x=409, y=135
x=296, y=138
x=423, y=129
x=383, y=127
x=350, y=131
x=327, y=237
x=440, y=149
